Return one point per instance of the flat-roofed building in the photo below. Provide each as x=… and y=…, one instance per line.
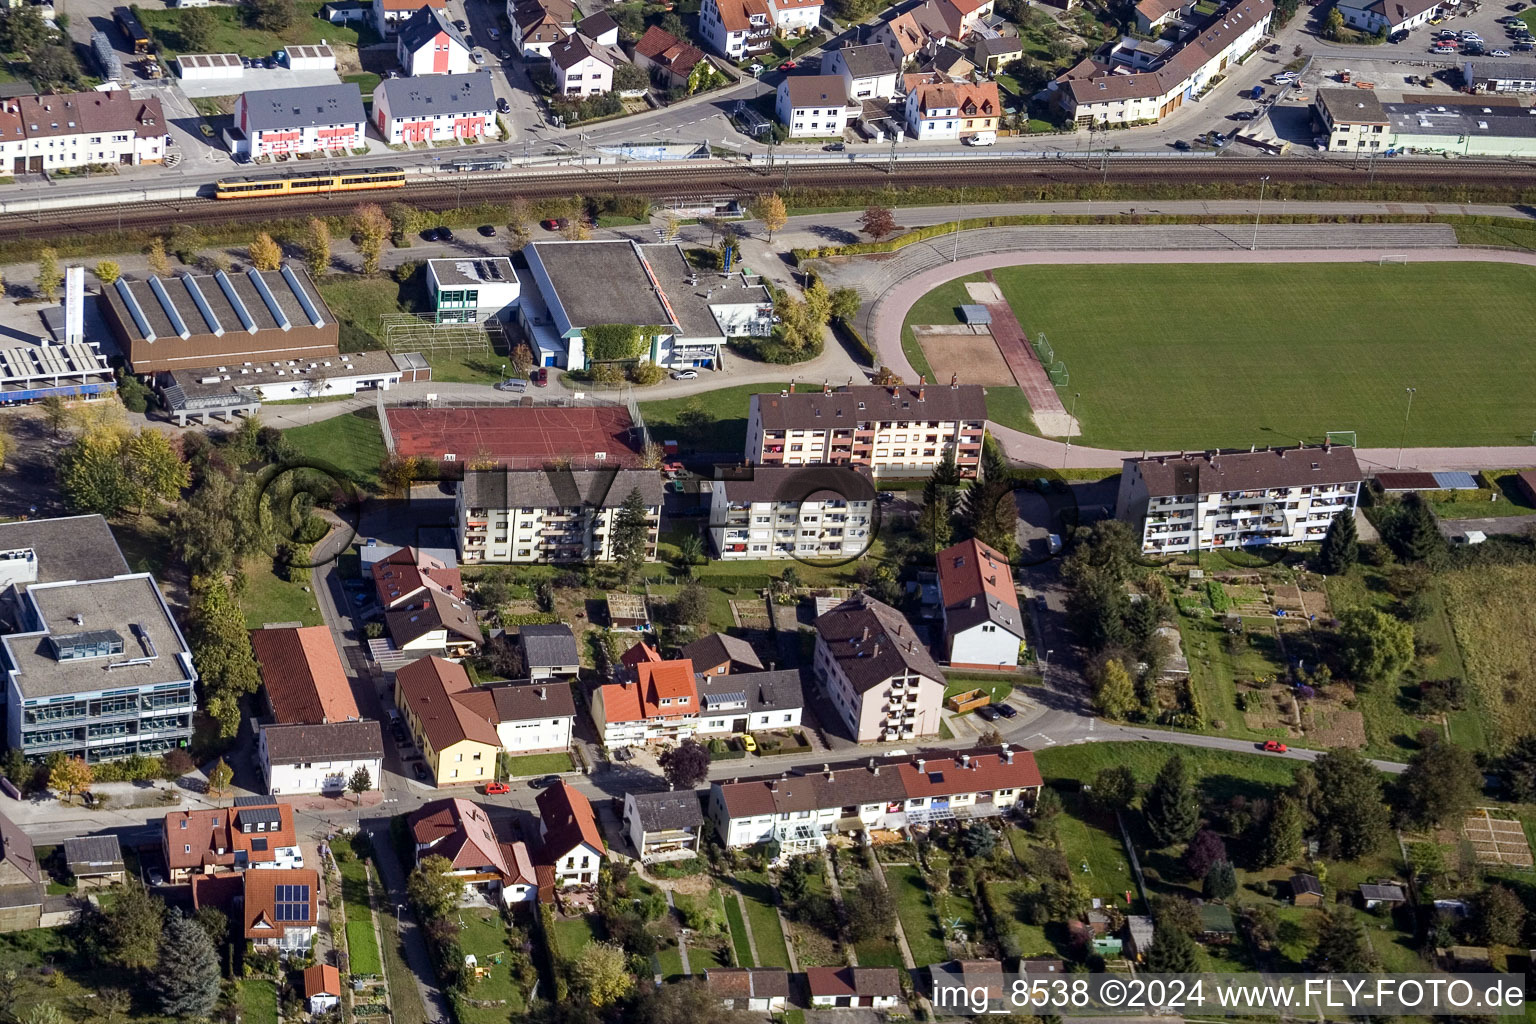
x=473, y=290
x=192, y=320
x=1225, y=500
x=901, y=427
x=536, y=515
x=95, y=665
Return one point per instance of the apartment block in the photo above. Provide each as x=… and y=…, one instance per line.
x=56, y=131
x=93, y=663
x=792, y=512
x=889, y=429
x=1220, y=501
x=802, y=808
x=883, y=682
x=538, y=515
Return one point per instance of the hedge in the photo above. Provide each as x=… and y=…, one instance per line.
x=530, y=619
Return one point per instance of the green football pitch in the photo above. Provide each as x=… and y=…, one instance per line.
x=1169, y=356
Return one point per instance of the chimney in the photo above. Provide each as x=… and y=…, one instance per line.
x=877, y=650
x=543, y=693
x=791, y=387
x=1282, y=453
x=920, y=763
x=954, y=381
x=864, y=638
x=874, y=769
x=827, y=770
x=965, y=760
x=922, y=379
x=1007, y=754
x=826, y=386
x=973, y=603
x=773, y=786
x=920, y=391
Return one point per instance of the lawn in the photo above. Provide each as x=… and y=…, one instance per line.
x=404, y=994
x=1007, y=406
x=999, y=688
x=919, y=920
x=351, y=443
x=362, y=943
x=669, y=959
x=1506, y=498
x=757, y=889
x=232, y=35
x=1095, y=852
x=359, y=302
x=269, y=599
x=533, y=764
x=483, y=934
x=1494, y=619
x=57, y=971
x=366, y=82
x=738, y=926
x=475, y=367
x=1222, y=773
x=1203, y=380
x=257, y=999
x=714, y=421
x=572, y=933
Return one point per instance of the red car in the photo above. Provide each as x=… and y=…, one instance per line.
x=540, y=377
x=1275, y=747
x=788, y=65
x=497, y=788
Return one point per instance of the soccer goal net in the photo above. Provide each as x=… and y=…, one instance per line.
x=1398, y=258
x=1344, y=437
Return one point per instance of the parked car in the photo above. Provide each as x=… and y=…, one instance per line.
x=429, y=235
x=833, y=147
x=1499, y=53
x=502, y=105
x=1442, y=49
x=477, y=57
x=488, y=230
x=685, y=375
x=1525, y=47
x=1285, y=78
x=982, y=139
x=1257, y=93
x=987, y=713
x=1007, y=710
x=749, y=743
x=495, y=34
x=543, y=781
x=1275, y=747
x=461, y=25
x=419, y=770
x=555, y=223
x=444, y=235
x=497, y=788
x=540, y=377
x=788, y=65
x=155, y=877
x=1181, y=146
x=1398, y=36
x=513, y=385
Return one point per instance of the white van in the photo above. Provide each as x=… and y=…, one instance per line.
x=982, y=139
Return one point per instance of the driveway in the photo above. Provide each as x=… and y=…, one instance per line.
x=1455, y=529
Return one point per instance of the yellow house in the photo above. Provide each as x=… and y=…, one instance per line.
x=453, y=723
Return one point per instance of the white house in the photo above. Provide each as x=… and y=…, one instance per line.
x=312, y=119
x=427, y=44
x=800, y=811
x=952, y=110
x=982, y=623
x=582, y=66
x=320, y=758
x=1387, y=15
x=875, y=988
x=814, y=106
x=533, y=717
x=56, y=131
x=388, y=14
x=540, y=24
x=663, y=826
x=737, y=28
x=1219, y=501
x=748, y=701
x=869, y=72
x=796, y=17
x=437, y=108
x=572, y=845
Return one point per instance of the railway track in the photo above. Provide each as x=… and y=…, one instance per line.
x=734, y=178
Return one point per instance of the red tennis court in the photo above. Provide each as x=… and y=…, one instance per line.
x=517, y=437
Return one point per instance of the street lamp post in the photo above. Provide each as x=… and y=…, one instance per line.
x=1404, y=439
x=1071, y=422
x=398, y=907
x=1264, y=180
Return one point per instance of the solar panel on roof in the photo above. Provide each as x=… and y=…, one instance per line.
x=292, y=903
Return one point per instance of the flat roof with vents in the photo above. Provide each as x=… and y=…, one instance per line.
x=455, y=273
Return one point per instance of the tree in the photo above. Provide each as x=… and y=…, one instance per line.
x=686, y=765
x=1282, y=833
x=1412, y=531
x=107, y=271
x=1171, y=808
x=818, y=306
x=978, y=840
x=1175, y=913
x=56, y=412
x=1220, y=881
x=1203, y=851
x=1441, y=783
x=691, y=605
x=432, y=889
x=196, y=29
x=1375, y=647
x=49, y=276
x=317, y=247
x=877, y=221
x=1172, y=952
x=156, y=467
x=53, y=67
x=1351, y=812
x=1333, y=24
x=1115, y=695
x=1498, y=916
x=690, y=551
x=1516, y=770
x=987, y=512
x=576, y=228
x=871, y=911
x=603, y=972
x=360, y=783
x=1114, y=788
x=219, y=777
x=113, y=1005
x=845, y=303
x=941, y=499
x=214, y=922
x=22, y=29
x=263, y=253
x=629, y=77
x=159, y=264
x=683, y=1002
x=631, y=536
x=90, y=473
x=1065, y=899
x=371, y=227
x=397, y=473
x=70, y=776
x=1341, y=545
x=1341, y=947
x=272, y=15
x=131, y=925
x=186, y=979
x=769, y=209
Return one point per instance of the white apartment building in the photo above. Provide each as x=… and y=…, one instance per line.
x=77, y=129
x=534, y=515
x=323, y=118
x=319, y=757
x=795, y=17
x=435, y=108
x=427, y=44
x=983, y=627
x=582, y=66
x=868, y=71
x=800, y=811
x=952, y=110
x=883, y=682
x=1131, y=88
x=904, y=427
x=737, y=28
x=748, y=701
x=814, y=106
x=791, y=512
x=1220, y=501
x=533, y=717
